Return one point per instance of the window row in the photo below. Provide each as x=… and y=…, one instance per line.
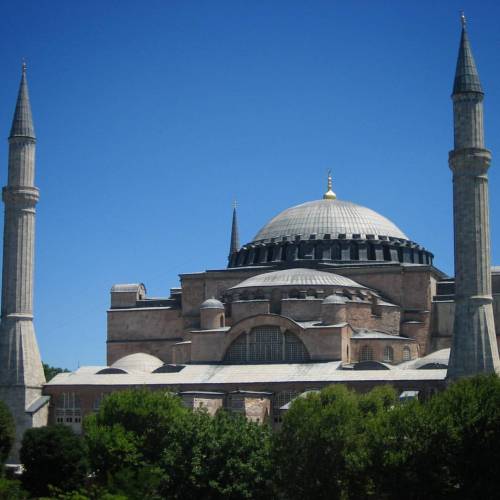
x=267, y=344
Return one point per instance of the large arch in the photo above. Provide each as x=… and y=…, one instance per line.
x=266, y=344
x=286, y=326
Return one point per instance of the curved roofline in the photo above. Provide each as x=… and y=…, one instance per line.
x=327, y=204
x=253, y=281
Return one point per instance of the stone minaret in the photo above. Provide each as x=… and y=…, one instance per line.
x=21, y=371
x=474, y=348
x=235, y=237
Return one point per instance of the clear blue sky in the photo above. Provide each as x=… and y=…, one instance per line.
x=153, y=116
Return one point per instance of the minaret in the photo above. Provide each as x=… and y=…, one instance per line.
x=235, y=237
x=21, y=371
x=474, y=349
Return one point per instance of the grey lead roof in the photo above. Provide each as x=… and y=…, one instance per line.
x=466, y=75
x=246, y=374
x=22, y=124
x=333, y=217
x=299, y=276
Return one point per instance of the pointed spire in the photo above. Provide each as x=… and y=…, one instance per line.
x=235, y=237
x=329, y=195
x=466, y=75
x=22, y=124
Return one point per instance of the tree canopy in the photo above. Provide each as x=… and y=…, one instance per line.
x=51, y=371
x=147, y=441
x=334, y=443
x=52, y=456
x=7, y=432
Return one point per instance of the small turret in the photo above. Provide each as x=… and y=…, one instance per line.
x=212, y=314
x=333, y=310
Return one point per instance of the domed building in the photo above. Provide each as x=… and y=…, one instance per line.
x=327, y=292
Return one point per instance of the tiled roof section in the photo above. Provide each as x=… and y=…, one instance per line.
x=22, y=124
x=248, y=374
x=299, y=277
x=466, y=75
x=336, y=218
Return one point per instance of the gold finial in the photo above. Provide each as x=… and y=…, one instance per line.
x=24, y=65
x=462, y=19
x=235, y=204
x=329, y=195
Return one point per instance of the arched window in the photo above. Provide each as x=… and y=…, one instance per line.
x=221, y=320
x=388, y=354
x=366, y=353
x=68, y=410
x=275, y=306
x=267, y=344
x=406, y=353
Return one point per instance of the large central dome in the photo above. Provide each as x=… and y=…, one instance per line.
x=335, y=218
x=328, y=231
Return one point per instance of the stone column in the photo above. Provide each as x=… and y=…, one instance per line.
x=474, y=349
x=21, y=371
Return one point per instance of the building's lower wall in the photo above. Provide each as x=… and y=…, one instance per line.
x=378, y=347
x=89, y=397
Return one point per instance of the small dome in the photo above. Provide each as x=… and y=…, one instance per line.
x=212, y=304
x=334, y=299
x=297, y=277
x=138, y=362
x=332, y=217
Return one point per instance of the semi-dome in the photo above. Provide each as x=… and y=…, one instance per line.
x=335, y=218
x=297, y=277
x=138, y=362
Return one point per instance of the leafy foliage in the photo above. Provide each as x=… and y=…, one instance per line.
x=148, y=445
x=7, y=432
x=334, y=444
x=11, y=489
x=52, y=456
x=51, y=371
x=322, y=450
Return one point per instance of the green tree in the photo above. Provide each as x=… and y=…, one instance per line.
x=147, y=445
x=7, y=432
x=11, y=489
x=404, y=460
x=52, y=456
x=321, y=450
x=230, y=458
x=51, y=371
x=469, y=413
x=136, y=428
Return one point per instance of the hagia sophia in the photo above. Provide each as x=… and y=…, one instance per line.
x=326, y=292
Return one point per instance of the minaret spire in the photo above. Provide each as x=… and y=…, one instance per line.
x=21, y=371
x=235, y=237
x=474, y=349
x=22, y=124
